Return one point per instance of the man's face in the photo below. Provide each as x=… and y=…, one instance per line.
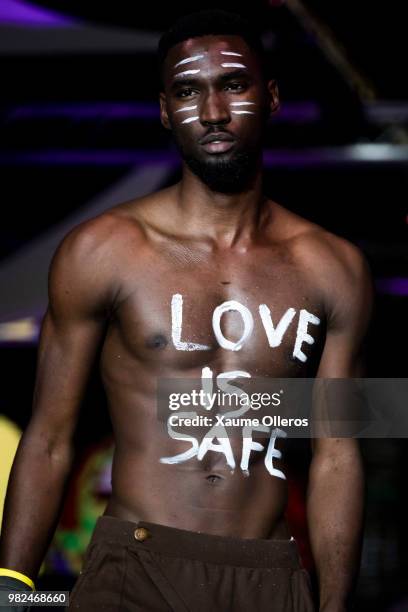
x=216, y=102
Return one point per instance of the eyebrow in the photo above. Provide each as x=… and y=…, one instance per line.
x=225, y=76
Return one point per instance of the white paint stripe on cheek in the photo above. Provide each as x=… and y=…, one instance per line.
x=242, y=112
x=187, y=60
x=231, y=53
x=186, y=108
x=242, y=103
x=233, y=65
x=190, y=119
x=186, y=72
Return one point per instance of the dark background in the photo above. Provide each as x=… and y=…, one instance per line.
x=73, y=121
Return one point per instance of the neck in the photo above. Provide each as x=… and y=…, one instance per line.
x=227, y=219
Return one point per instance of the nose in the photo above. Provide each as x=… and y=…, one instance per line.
x=214, y=110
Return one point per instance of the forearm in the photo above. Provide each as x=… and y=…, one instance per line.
x=335, y=515
x=32, y=506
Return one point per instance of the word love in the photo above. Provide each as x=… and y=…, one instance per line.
x=274, y=333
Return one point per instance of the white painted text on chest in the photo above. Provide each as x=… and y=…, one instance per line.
x=275, y=332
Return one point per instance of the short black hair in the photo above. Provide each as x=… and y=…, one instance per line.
x=210, y=22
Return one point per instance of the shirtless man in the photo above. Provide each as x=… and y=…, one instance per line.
x=141, y=282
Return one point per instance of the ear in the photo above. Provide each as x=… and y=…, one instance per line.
x=164, y=117
x=273, y=94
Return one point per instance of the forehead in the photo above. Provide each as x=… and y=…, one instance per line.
x=211, y=47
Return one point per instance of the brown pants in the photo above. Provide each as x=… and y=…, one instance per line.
x=146, y=567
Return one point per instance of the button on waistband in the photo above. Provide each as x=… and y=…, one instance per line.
x=141, y=534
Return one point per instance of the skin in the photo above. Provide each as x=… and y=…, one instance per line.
x=110, y=288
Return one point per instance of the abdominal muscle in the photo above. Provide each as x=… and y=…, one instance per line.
x=205, y=496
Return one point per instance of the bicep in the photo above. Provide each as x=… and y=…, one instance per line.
x=65, y=356
x=71, y=334
x=350, y=301
x=342, y=358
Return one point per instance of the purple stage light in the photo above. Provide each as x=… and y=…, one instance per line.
x=25, y=14
x=87, y=110
x=295, y=112
x=298, y=112
x=320, y=157
x=113, y=157
x=392, y=286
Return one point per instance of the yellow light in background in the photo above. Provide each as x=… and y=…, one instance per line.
x=9, y=438
x=21, y=330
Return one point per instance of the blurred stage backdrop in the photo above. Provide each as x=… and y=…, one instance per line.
x=80, y=132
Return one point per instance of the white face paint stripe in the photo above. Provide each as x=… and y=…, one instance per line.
x=242, y=103
x=186, y=72
x=231, y=53
x=233, y=65
x=193, y=58
x=190, y=119
x=186, y=108
x=242, y=112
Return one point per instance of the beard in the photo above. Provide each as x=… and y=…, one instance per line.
x=230, y=173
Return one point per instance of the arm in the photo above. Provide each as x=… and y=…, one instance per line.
x=336, y=483
x=79, y=296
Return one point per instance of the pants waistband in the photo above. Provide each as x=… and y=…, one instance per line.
x=204, y=547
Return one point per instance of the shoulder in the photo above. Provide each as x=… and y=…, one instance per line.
x=334, y=265
x=86, y=266
x=316, y=248
x=101, y=239
x=339, y=263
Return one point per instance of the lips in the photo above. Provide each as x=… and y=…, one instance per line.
x=217, y=142
x=217, y=136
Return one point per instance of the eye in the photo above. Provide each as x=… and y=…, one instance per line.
x=236, y=86
x=185, y=93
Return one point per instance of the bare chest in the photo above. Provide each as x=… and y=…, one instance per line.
x=259, y=313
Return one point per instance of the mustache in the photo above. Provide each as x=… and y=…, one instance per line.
x=216, y=134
